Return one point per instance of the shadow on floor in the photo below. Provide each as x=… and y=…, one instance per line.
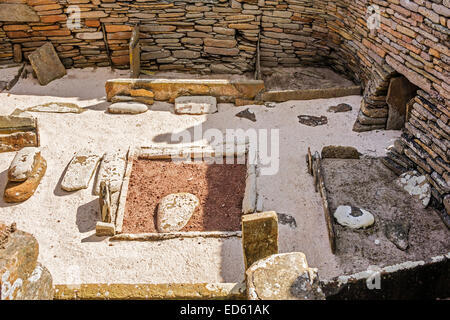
x=87, y=216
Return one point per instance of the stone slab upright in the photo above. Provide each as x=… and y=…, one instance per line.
x=259, y=236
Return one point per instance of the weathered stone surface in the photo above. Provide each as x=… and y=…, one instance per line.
x=127, y=108
x=135, y=53
x=17, y=140
x=23, y=164
x=46, y=64
x=169, y=90
x=447, y=204
x=342, y=107
x=89, y=35
x=340, y=152
x=416, y=185
x=39, y=286
x=130, y=99
x=57, y=107
x=195, y=105
x=397, y=233
x=104, y=229
x=354, y=218
x=312, y=121
x=309, y=94
x=358, y=127
x=156, y=291
x=175, y=210
x=21, y=277
x=13, y=123
x=283, y=276
x=105, y=202
x=399, y=93
x=247, y=114
x=259, y=236
x=21, y=191
x=80, y=170
x=112, y=169
x=16, y=12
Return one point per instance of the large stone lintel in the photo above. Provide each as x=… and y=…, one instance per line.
x=169, y=89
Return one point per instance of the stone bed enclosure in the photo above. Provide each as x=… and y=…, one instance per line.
x=231, y=37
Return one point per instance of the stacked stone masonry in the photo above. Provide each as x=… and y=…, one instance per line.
x=222, y=36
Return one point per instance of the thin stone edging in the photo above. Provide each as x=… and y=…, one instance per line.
x=172, y=235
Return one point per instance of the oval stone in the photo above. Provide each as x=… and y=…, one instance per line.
x=175, y=210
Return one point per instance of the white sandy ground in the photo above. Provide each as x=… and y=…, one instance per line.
x=64, y=222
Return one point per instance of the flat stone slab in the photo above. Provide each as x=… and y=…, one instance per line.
x=112, y=170
x=17, y=13
x=13, y=123
x=249, y=201
x=312, y=121
x=310, y=94
x=247, y=114
x=416, y=185
x=46, y=64
x=340, y=152
x=23, y=164
x=283, y=276
x=175, y=210
x=127, y=108
x=195, y=105
x=80, y=170
x=57, y=107
x=354, y=218
x=21, y=191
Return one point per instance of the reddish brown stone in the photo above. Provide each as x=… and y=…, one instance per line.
x=21, y=191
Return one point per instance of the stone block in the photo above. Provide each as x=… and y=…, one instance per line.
x=46, y=64
x=195, y=105
x=283, y=276
x=170, y=89
x=340, y=152
x=259, y=236
x=15, y=12
x=21, y=276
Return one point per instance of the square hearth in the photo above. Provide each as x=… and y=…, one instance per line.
x=219, y=187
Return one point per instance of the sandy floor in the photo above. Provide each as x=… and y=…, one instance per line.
x=64, y=223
